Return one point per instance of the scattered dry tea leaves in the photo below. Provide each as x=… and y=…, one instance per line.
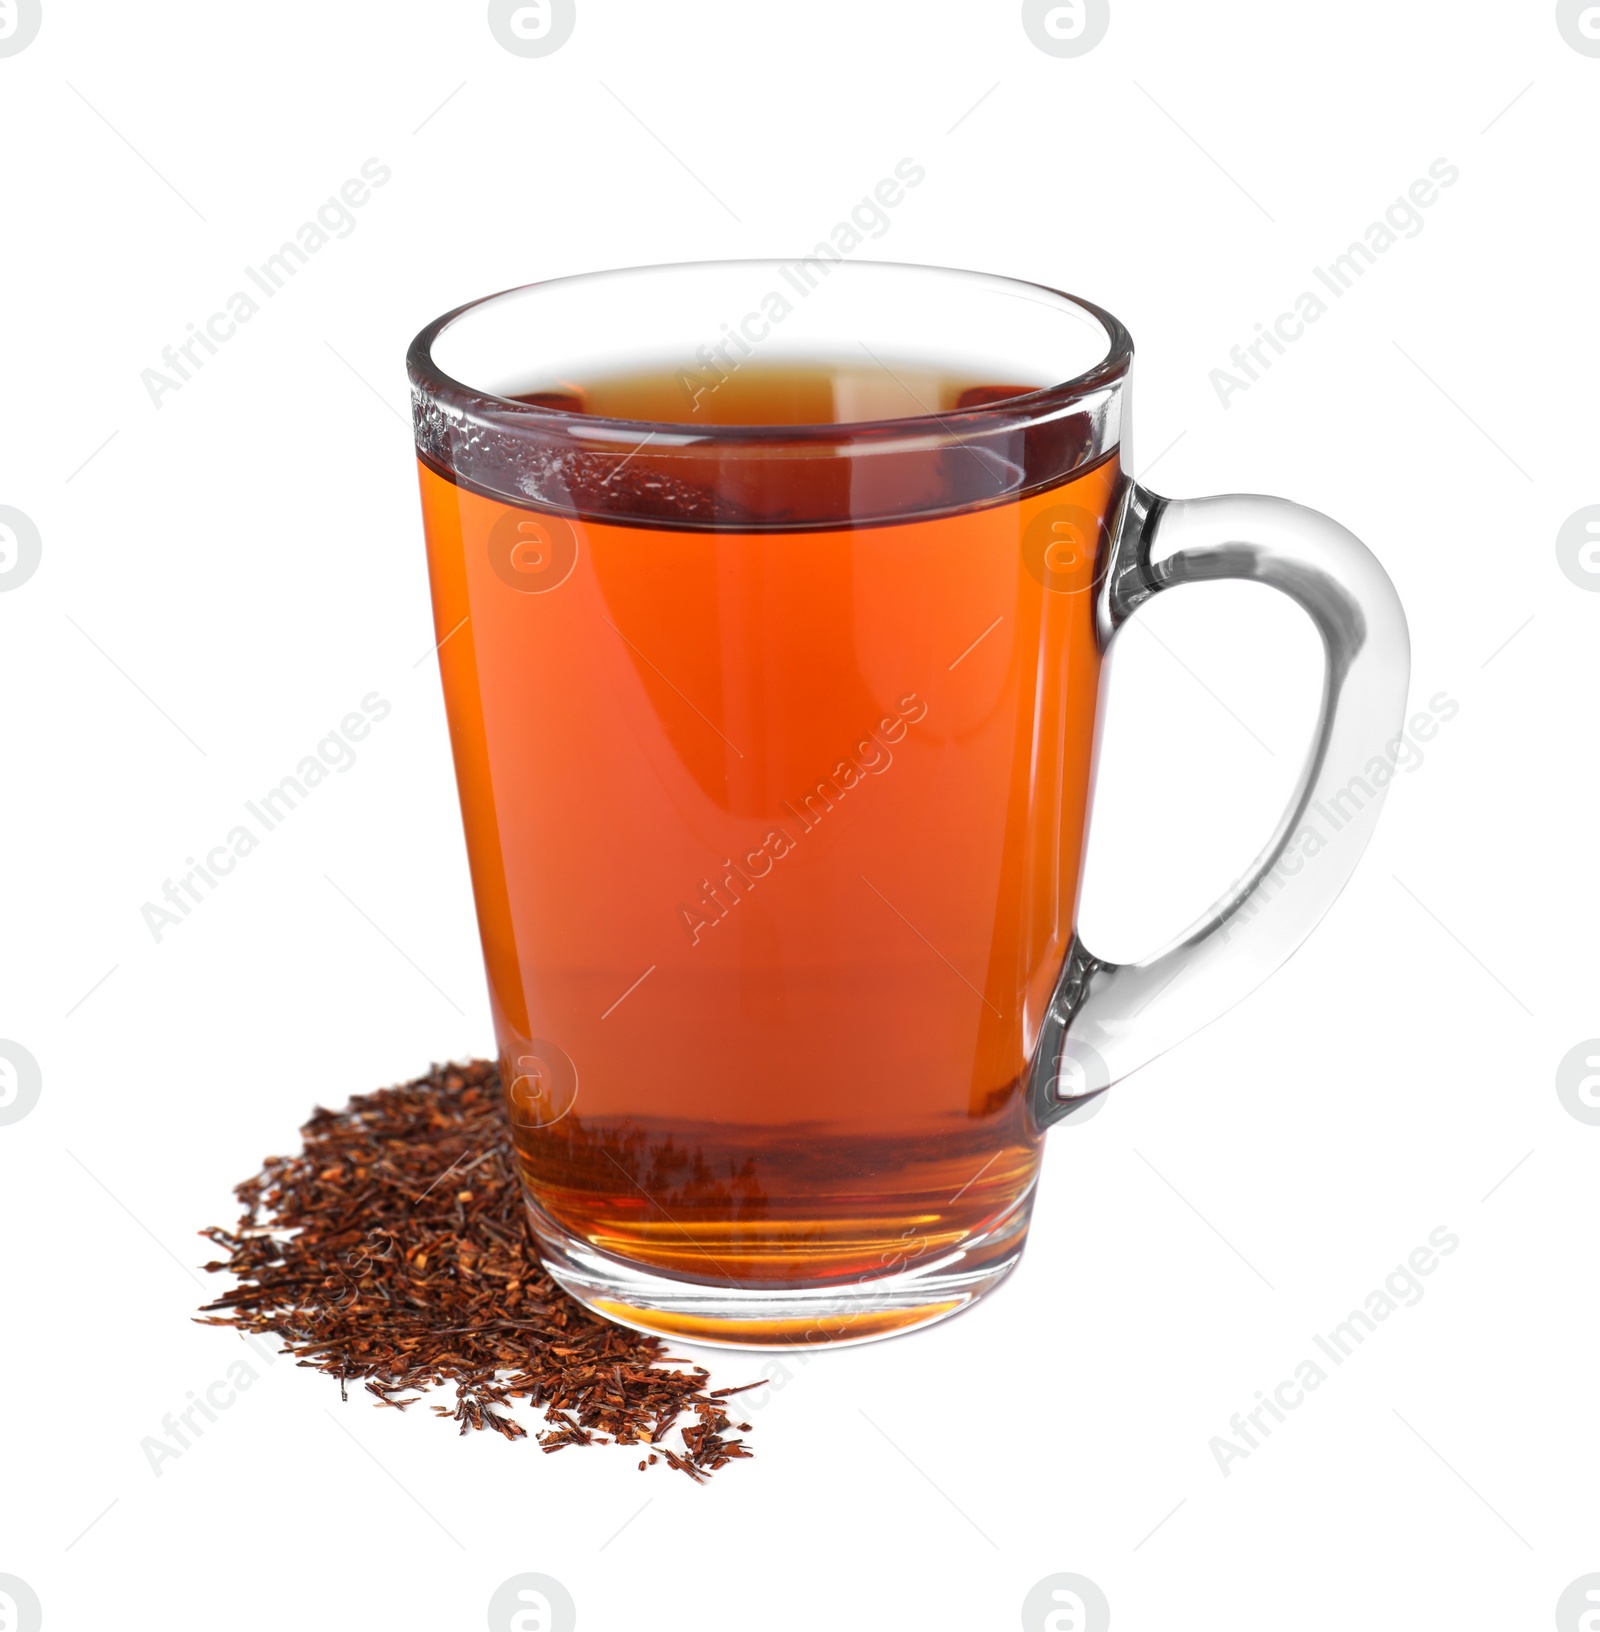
x=394, y=1251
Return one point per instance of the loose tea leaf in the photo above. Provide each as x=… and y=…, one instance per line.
x=394, y=1250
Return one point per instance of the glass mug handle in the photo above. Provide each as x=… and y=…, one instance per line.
x=1105, y=1020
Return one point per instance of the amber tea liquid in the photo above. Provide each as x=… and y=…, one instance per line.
x=775, y=838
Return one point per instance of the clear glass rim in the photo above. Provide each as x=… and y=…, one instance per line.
x=437, y=386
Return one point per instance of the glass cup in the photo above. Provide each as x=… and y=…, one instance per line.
x=774, y=742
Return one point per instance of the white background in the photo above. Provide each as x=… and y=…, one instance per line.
x=228, y=575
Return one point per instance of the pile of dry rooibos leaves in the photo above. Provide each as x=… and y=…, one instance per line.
x=394, y=1250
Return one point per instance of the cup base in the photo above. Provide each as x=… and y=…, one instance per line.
x=778, y=1316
